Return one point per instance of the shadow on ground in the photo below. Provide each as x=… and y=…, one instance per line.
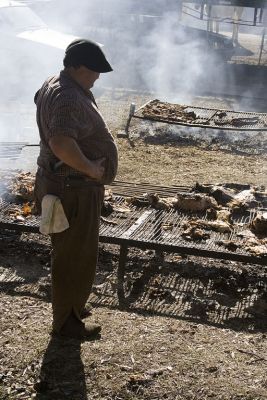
x=62, y=372
x=214, y=292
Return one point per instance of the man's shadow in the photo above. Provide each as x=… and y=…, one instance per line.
x=62, y=372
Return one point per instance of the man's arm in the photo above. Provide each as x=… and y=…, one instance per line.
x=67, y=150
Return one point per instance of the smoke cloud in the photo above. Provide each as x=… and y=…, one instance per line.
x=145, y=42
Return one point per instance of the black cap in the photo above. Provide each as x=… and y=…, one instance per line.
x=88, y=53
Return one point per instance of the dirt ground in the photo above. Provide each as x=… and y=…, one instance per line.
x=195, y=328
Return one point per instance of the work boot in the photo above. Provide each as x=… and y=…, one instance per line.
x=87, y=311
x=73, y=328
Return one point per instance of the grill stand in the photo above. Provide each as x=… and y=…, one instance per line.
x=120, y=275
x=159, y=252
x=125, y=133
x=144, y=229
x=205, y=119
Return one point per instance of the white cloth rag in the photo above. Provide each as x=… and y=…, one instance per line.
x=53, y=218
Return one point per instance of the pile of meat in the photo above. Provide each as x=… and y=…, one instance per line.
x=164, y=111
x=221, y=119
x=210, y=208
x=20, y=188
x=169, y=112
x=204, y=210
x=19, y=192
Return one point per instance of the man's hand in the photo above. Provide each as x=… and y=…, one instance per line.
x=97, y=168
x=67, y=150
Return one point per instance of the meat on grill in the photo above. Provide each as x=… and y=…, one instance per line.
x=244, y=200
x=195, y=233
x=238, y=122
x=259, y=224
x=20, y=189
x=167, y=111
x=228, y=244
x=256, y=246
x=221, y=195
x=195, y=202
x=20, y=213
x=222, y=215
x=161, y=203
x=236, y=196
x=218, y=226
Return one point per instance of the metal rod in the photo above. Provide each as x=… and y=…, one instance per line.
x=261, y=15
x=209, y=109
x=218, y=127
x=255, y=16
x=126, y=131
x=262, y=44
x=202, y=10
x=121, y=273
x=131, y=113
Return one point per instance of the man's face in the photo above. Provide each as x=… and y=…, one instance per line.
x=90, y=76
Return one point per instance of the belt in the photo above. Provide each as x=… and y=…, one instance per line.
x=70, y=180
x=77, y=181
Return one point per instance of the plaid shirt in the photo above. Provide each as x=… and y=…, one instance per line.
x=65, y=108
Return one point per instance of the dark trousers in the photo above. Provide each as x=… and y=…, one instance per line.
x=74, y=251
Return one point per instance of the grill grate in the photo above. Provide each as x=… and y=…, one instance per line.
x=12, y=150
x=205, y=117
x=122, y=188
x=160, y=230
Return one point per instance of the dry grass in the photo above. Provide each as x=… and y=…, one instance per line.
x=167, y=345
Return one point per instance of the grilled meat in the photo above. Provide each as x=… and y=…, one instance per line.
x=169, y=112
x=244, y=200
x=161, y=203
x=108, y=195
x=259, y=224
x=256, y=246
x=220, y=215
x=220, y=193
x=194, y=202
x=137, y=201
x=238, y=122
x=228, y=244
x=195, y=233
x=20, y=189
x=218, y=226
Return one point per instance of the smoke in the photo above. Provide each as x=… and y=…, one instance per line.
x=30, y=52
x=240, y=142
x=147, y=46
x=171, y=62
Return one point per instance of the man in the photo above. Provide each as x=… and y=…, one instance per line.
x=77, y=157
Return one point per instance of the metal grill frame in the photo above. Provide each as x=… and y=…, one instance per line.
x=143, y=227
x=211, y=114
x=128, y=232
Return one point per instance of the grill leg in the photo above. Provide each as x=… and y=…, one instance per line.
x=121, y=272
x=159, y=254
